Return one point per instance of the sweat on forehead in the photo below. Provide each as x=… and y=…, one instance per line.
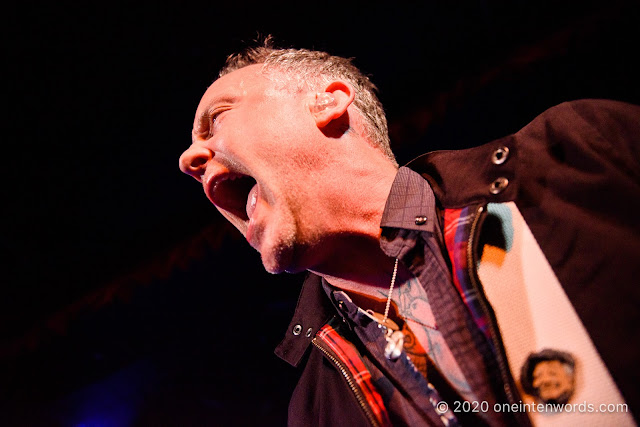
x=292, y=80
x=283, y=79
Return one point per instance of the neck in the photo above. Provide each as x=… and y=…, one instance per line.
x=359, y=266
x=352, y=258
x=347, y=253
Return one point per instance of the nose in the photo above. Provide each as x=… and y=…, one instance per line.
x=194, y=160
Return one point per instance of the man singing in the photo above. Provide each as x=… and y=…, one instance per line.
x=430, y=285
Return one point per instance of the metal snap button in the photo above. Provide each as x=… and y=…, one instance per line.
x=309, y=332
x=500, y=155
x=421, y=220
x=297, y=329
x=498, y=185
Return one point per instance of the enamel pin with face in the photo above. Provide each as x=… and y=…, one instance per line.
x=549, y=376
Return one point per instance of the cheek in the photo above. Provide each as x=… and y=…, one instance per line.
x=284, y=131
x=278, y=148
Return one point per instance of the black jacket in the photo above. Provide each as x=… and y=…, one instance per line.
x=574, y=174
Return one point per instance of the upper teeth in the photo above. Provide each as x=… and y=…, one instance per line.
x=231, y=176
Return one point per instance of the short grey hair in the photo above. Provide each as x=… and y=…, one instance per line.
x=313, y=68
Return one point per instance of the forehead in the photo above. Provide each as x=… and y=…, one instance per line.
x=239, y=83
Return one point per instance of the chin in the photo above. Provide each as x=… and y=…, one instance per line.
x=277, y=266
x=276, y=260
x=278, y=248
x=283, y=259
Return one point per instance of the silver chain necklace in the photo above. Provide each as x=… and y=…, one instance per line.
x=393, y=335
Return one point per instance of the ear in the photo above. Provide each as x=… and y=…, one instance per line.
x=331, y=104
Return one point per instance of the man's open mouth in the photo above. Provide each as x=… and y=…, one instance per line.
x=231, y=192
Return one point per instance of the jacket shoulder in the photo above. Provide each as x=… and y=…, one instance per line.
x=587, y=131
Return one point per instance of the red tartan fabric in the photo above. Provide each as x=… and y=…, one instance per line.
x=457, y=257
x=350, y=358
x=457, y=229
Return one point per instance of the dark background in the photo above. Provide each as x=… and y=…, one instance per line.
x=118, y=305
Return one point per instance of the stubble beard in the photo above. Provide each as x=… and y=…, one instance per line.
x=278, y=247
x=278, y=258
x=288, y=240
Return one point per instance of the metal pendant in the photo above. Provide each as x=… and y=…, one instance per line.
x=393, y=335
x=395, y=343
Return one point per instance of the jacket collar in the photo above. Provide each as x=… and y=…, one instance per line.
x=313, y=311
x=483, y=174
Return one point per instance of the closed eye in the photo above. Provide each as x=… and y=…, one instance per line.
x=214, y=120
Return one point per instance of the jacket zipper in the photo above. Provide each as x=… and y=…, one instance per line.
x=350, y=381
x=521, y=418
x=494, y=335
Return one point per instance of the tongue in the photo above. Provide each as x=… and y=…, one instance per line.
x=252, y=200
